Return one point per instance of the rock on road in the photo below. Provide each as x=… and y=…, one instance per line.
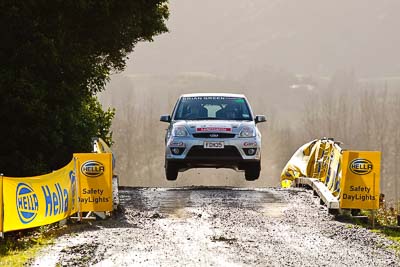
x=219, y=227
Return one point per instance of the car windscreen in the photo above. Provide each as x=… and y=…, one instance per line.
x=212, y=108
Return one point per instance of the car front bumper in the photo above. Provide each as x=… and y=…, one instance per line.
x=193, y=154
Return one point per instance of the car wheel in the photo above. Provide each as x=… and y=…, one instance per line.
x=171, y=171
x=252, y=172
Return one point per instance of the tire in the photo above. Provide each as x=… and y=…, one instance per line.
x=252, y=171
x=171, y=171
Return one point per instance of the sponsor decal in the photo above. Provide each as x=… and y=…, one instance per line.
x=27, y=203
x=360, y=166
x=56, y=199
x=360, y=193
x=360, y=182
x=247, y=144
x=93, y=195
x=92, y=168
x=177, y=144
x=213, y=98
x=214, y=129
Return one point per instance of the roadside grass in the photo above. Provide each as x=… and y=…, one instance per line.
x=387, y=219
x=385, y=224
x=392, y=234
x=18, y=248
x=21, y=247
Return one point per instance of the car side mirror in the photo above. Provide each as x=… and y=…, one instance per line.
x=260, y=118
x=165, y=118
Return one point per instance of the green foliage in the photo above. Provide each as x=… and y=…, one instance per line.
x=18, y=248
x=55, y=56
x=392, y=234
x=387, y=216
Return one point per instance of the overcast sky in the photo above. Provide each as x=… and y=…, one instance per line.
x=229, y=37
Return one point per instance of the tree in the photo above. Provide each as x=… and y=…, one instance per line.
x=55, y=56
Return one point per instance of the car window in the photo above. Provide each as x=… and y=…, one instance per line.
x=212, y=108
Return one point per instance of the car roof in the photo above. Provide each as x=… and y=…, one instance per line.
x=212, y=94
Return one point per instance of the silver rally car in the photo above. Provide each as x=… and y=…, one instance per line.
x=213, y=131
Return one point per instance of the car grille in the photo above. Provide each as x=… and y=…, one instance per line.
x=227, y=153
x=213, y=135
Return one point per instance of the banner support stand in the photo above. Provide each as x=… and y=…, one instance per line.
x=79, y=217
x=373, y=211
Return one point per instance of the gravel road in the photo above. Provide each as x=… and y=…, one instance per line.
x=219, y=227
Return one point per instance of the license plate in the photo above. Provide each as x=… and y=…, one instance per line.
x=214, y=145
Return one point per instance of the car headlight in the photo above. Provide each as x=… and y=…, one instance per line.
x=180, y=131
x=247, y=132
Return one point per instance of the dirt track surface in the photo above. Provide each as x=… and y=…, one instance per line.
x=220, y=227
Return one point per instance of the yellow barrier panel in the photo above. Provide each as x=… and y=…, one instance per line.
x=298, y=165
x=353, y=177
x=101, y=147
x=320, y=159
x=35, y=201
x=95, y=181
x=360, y=180
x=286, y=183
x=334, y=171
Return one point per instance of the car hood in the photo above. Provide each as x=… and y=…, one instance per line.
x=214, y=126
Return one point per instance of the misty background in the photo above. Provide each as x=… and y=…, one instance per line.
x=314, y=68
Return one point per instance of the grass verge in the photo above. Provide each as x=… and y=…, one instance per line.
x=385, y=224
x=18, y=248
x=392, y=234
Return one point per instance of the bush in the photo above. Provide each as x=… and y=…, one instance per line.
x=55, y=56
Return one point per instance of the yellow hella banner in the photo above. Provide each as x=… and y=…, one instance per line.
x=40, y=200
x=95, y=181
x=360, y=180
x=1, y=206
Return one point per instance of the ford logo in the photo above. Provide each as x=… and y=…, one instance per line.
x=214, y=135
x=92, y=168
x=361, y=166
x=27, y=203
